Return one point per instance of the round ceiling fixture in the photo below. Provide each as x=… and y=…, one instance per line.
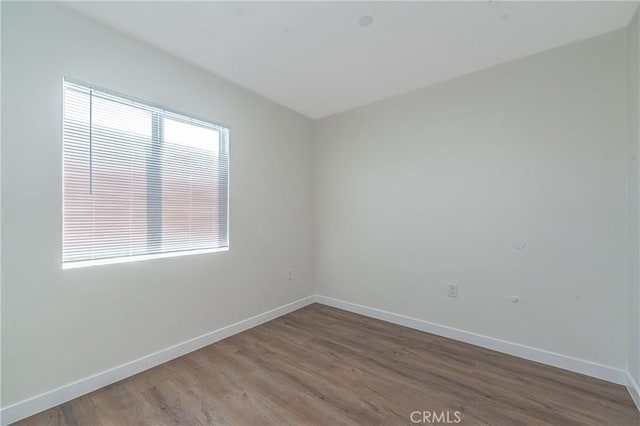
x=365, y=21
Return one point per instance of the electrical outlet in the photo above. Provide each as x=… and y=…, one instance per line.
x=289, y=274
x=452, y=290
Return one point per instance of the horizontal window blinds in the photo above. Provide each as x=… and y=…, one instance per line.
x=139, y=180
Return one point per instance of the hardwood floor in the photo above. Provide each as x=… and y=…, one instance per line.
x=324, y=366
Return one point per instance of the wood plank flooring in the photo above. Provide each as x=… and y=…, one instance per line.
x=325, y=366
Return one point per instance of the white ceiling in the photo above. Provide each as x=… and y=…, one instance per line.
x=314, y=58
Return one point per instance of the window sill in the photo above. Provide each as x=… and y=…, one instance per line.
x=87, y=263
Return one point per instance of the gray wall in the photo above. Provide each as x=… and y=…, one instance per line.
x=60, y=326
x=433, y=187
x=633, y=75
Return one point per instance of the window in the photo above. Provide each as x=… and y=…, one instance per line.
x=139, y=181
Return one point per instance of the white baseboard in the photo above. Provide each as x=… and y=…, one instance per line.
x=634, y=391
x=581, y=366
x=44, y=401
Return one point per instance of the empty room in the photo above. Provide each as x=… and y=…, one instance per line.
x=320, y=213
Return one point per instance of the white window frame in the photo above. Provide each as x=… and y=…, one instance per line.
x=159, y=113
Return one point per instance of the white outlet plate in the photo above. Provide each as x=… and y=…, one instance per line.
x=452, y=290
